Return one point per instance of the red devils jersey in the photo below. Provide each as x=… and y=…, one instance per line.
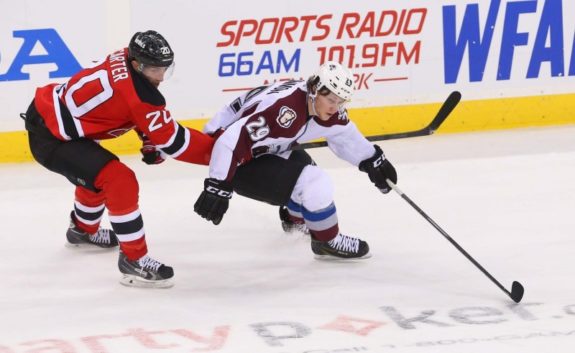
x=271, y=120
x=109, y=99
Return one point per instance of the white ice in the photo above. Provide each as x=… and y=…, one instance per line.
x=506, y=197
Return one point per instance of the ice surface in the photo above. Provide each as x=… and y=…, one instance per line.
x=507, y=197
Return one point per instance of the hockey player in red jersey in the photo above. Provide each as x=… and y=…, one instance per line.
x=65, y=122
x=253, y=156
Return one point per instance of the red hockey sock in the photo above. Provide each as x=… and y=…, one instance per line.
x=121, y=189
x=88, y=209
x=325, y=234
x=134, y=249
x=295, y=219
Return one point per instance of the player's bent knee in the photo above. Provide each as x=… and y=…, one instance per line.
x=316, y=188
x=118, y=179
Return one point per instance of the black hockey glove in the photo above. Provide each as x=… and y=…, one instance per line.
x=213, y=202
x=150, y=154
x=379, y=169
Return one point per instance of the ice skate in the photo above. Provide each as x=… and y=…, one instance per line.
x=145, y=272
x=289, y=226
x=342, y=247
x=103, y=238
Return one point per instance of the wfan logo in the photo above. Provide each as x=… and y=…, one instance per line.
x=56, y=52
x=543, y=49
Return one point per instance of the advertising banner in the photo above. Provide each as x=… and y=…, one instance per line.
x=513, y=61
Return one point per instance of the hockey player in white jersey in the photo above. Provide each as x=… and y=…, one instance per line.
x=253, y=156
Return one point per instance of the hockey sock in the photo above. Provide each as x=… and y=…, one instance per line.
x=295, y=212
x=88, y=209
x=121, y=189
x=322, y=224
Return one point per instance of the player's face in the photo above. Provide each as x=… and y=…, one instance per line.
x=155, y=74
x=328, y=105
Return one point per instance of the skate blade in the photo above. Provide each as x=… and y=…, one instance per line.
x=139, y=282
x=90, y=247
x=331, y=258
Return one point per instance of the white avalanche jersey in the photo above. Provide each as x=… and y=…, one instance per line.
x=272, y=120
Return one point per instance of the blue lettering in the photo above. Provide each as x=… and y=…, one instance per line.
x=56, y=53
x=551, y=25
x=511, y=37
x=266, y=63
x=227, y=67
x=287, y=65
x=572, y=64
x=245, y=66
x=469, y=36
x=244, y=63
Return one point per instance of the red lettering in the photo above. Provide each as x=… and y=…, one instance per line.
x=402, y=53
x=422, y=12
x=400, y=24
x=344, y=26
x=52, y=345
x=321, y=25
x=361, y=80
x=352, y=25
x=306, y=20
x=387, y=52
x=224, y=31
x=243, y=32
x=286, y=29
x=353, y=325
x=146, y=339
x=367, y=25
x=216, y=341
x=274, y=22
x=94, y=345
x=281, y=79
x=371, y=24
x=385, y=14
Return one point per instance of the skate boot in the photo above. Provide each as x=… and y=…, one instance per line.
x=103, y=238
x=288, y=225
x=145, y=272
x=340, y=247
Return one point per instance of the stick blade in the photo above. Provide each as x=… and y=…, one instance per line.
x=517, y=291
x=450, y=103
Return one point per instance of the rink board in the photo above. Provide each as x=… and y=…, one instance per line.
x=478, y=115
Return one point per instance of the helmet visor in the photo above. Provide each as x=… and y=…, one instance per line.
x=332, y=97
x=157, y=73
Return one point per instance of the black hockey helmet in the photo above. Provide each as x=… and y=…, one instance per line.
x=151, y=48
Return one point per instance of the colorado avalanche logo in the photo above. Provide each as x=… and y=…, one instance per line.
x=286, y=117
x=342, y=114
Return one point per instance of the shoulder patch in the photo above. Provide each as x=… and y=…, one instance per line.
x=286, y=117
x=342, y=114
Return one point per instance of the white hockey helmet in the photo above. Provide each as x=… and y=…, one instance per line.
x=338, y=79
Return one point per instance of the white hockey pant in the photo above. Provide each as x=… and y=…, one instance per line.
x=312, y=200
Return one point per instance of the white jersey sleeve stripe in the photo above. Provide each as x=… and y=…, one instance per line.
x=178, y=143
x=59, y=119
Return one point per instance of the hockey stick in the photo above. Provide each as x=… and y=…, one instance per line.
x=446, y=109
x=516, y=289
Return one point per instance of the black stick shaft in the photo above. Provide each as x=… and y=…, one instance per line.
x=444, y=111
x=453, y=242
